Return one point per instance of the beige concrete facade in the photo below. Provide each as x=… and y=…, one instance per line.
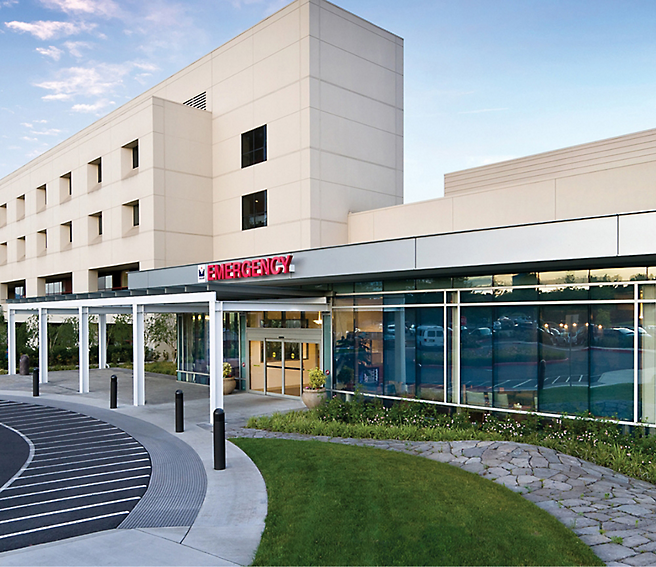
x=327, y=85
x=607, y=177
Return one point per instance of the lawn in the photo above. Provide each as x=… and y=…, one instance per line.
x=333, y=504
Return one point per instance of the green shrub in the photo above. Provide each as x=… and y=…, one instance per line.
x=601, y=441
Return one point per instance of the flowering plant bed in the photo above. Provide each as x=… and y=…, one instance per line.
x=604, y=442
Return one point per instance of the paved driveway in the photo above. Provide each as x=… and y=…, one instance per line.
x=65, y=474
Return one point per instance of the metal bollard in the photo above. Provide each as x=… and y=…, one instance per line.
x=35, y=383
x=113, y=392
x=179, y=411
x=219, y=440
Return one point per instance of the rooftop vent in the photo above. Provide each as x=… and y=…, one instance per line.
x=199, y=101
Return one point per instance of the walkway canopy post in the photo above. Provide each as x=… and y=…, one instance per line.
x=216, y=356
x=11, y=340
x=102, y=340
x=84, y=349
x=138, y=355
x=43, y=345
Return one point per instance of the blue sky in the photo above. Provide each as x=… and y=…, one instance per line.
x=485, y=80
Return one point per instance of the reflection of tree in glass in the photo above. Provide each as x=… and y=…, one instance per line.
x=350, y=351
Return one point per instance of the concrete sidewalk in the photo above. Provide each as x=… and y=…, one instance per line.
x=228, y=527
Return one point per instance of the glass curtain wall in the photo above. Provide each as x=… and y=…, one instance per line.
x=556, y=342
x=194, y=346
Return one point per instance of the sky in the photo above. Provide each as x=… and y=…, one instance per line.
x=485, y=80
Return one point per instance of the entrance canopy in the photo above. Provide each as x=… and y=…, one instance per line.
x=138, y=306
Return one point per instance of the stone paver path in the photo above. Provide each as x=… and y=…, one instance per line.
x=614, y=514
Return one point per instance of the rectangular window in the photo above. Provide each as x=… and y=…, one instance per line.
x=96, y=165
x=41, y=198
x=99, y=225
x=16, y=291
x=67, y=180
x=130, y=158
x=20, y=207
x=254, y=210
x=135, y=214
x=254, y=146
x=59, y=286
x=66, y=233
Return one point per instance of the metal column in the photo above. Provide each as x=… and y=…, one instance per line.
x=43, y=346
x=84, y=349
x=102, y=340
x=138, y=355
x=11, y=340
x=216, y=356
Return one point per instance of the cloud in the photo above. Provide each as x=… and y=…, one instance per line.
x=95, y=81
x=482, y=110
x=52, y=52
x=8, y=3
x=45, y=30
x=91, y=7
x=28, y=139
x=75, y=47
x=92, y=108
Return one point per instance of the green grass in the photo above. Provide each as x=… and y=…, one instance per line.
x=601, y=442
x=333, y=504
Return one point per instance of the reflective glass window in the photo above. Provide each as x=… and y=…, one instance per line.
x=429, y=337
x=563, y=375
x=473, y=281
x=563, y=277
x=476, y=355
x=647, y=364
x=611, y=361
x=515, y=334
x=618, y=275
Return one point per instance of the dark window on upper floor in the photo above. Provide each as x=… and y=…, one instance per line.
x=135, y=214
x=59, y=286
x=254, y=146
x=16, y=291
x=135, y=156
x=254, y=210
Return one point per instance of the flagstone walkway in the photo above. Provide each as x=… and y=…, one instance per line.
x=614, y=514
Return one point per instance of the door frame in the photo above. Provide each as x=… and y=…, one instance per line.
x=281, y=335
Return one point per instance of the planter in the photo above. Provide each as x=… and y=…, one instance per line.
x=229, y=385
x=313, y=398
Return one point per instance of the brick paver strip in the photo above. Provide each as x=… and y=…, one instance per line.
x=614, y=514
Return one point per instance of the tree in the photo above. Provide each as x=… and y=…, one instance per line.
x=161, y=329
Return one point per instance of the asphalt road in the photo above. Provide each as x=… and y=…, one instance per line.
x=83, y=475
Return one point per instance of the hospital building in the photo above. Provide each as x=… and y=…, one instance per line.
x=258, y=195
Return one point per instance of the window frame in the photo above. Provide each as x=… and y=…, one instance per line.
x=249, y=219
x=250, y=153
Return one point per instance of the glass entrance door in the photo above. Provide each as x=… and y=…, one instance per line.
x=281, y=366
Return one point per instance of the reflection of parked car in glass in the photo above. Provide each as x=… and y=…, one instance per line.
x=430, y=336
x=478, y=337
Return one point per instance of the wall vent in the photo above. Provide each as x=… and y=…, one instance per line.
x=199, y=101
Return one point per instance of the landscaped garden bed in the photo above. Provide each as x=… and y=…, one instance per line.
x=603, y=442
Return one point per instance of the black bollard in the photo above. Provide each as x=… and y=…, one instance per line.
x=35, y=383
x=113, y=392
x=219, y=440
x=179, y=411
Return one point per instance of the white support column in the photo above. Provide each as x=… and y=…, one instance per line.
x=43, y=346
x=138, y=355
x=11, y=340
x=216, y=357
x=102, y=340
x=84, y=349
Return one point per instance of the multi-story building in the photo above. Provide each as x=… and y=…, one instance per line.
x=258, y=194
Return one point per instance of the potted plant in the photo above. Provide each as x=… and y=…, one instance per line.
x=314, y=393
x=229, y=381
